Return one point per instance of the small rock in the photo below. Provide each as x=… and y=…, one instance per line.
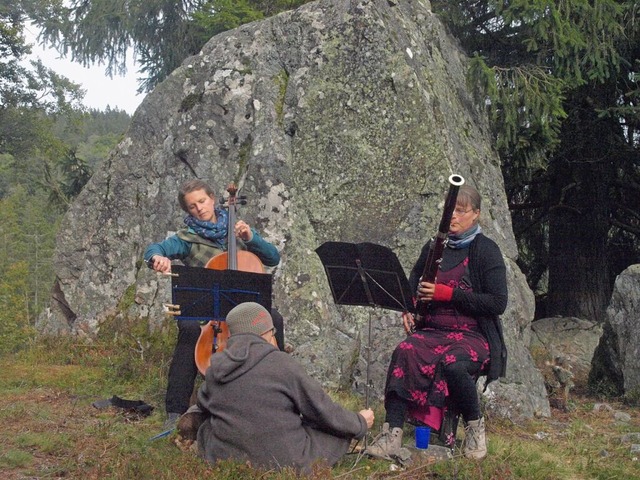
x=622, y=417
x=599, y=407
x=435, y=453
x=630, y=437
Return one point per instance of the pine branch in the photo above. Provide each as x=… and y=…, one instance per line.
x=625, y=226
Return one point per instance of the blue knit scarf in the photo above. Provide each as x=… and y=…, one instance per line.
x=216, y=232
x=465, y=238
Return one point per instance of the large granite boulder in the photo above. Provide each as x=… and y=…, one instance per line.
x=616, y=363
x=341, y=120
x=568, y=343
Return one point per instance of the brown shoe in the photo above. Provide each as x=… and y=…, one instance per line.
x=189, y=423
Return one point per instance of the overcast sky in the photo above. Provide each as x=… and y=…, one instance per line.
x=100, y=90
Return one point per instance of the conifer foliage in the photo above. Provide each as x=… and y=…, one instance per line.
x=49, y=146
x=560, y=82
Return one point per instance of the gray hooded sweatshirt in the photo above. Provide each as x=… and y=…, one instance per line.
x=263, y=407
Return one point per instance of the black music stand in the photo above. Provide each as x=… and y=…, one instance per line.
x=204, y=294
x=365, y=274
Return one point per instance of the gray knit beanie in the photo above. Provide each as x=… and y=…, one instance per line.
x=249, y=317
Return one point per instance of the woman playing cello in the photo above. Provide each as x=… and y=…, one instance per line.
x=204, y=236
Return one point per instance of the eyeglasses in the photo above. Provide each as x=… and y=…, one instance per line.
x=458, y=212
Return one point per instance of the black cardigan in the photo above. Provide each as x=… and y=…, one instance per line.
x=487, y=301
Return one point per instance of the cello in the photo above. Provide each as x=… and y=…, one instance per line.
x=215, y=333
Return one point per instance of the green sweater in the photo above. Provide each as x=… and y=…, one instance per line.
x=195, y=251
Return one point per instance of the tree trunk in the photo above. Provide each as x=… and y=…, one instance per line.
x=579, y=217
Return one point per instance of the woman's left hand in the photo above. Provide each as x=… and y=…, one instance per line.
x=243, y=231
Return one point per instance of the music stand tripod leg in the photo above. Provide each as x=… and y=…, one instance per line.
x=368, y=374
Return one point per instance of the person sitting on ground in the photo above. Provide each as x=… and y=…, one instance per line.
x=258, y=404
x=436, y=367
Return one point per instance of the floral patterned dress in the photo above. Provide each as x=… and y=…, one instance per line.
x=416, y=371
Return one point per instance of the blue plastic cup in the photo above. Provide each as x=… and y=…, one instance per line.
x=422, y=437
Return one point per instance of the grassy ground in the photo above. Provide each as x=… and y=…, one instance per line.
x=50, y=429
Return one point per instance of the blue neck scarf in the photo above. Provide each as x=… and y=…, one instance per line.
x=216, y=232
x=465, y=238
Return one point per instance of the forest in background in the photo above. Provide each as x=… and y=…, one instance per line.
x=50, y=144
x=560, y=82
x=36, y=186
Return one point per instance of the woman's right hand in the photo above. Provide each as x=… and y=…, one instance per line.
x=408, y=322
x=425, y=291
x=161, y=264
